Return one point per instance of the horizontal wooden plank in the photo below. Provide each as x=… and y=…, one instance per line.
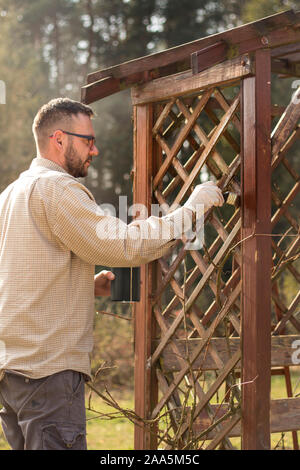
x=186, y=83
x=285, y=416
x=281, y=352
x=285, y=51
x=108, y=85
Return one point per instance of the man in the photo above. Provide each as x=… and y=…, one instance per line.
x=52, y=234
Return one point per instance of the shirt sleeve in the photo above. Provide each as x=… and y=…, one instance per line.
x=101, y=239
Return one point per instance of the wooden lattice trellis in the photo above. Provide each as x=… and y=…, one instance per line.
x=183, y=148
x=196, y=296
x=215, y=323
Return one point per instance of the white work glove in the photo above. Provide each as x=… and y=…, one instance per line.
x=207, y=194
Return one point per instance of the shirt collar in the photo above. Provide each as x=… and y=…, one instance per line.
x=46, y=163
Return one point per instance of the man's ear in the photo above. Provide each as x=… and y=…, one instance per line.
x=57, y=139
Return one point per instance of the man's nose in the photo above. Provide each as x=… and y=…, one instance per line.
x=94, y=151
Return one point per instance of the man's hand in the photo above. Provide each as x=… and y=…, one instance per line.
x=207, y=194
x=102, y=283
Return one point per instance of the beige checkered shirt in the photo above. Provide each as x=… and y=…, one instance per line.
x=52, y=234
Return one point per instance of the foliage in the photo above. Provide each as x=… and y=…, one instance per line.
x=22, y=96
x=254, y=10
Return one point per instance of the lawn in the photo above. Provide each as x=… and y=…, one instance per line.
x=109, y=432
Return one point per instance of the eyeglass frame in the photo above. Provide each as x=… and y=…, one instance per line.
x=83, y=136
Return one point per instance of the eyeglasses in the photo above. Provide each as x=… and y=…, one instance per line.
x=90, y=138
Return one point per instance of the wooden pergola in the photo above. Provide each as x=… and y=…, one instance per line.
x=216, y=322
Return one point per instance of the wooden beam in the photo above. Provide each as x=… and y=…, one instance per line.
x=235, y=36
x=256, y=255
x=284, y=51
x=208, y=57
x=273, y=31
x=281, y=352
x=285, y=416
x=144, y=379
x=108, y=85
x=186, y=83
x=100, y=89
x=285, y=67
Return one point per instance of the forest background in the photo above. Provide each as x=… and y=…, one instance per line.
x=47, y=49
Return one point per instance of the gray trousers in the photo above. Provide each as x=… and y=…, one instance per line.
x=44, y=414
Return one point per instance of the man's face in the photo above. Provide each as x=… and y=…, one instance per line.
x=79, y=152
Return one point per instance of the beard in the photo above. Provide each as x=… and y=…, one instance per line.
x=74, y=164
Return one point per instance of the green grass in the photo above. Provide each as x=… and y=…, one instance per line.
x=104, y=433
x=3, y=443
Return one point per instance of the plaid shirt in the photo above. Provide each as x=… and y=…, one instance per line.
x=52, y=234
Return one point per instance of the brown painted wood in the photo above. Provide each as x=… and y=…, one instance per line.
x=295, y=134
x=109, y=84
x=286, y=123
x=285, y=67
x=100, y=89
x=255, y=155
x=180, y=138
x=213, y=389
x=210, y=145
x=284, y=206
x=186, y=83
x=204, y=342
x=255, y=30
x=145, y=386
x=281, y=353
x=256, y=250
x=273, y=31
x=285, y=416
x=195, y=293
x=226, y=429
x=208, y=57
x=288, y=312
x=175, y=395
x=285, y=51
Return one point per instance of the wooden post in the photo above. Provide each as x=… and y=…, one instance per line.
x=144, y=379
x=256, y=260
